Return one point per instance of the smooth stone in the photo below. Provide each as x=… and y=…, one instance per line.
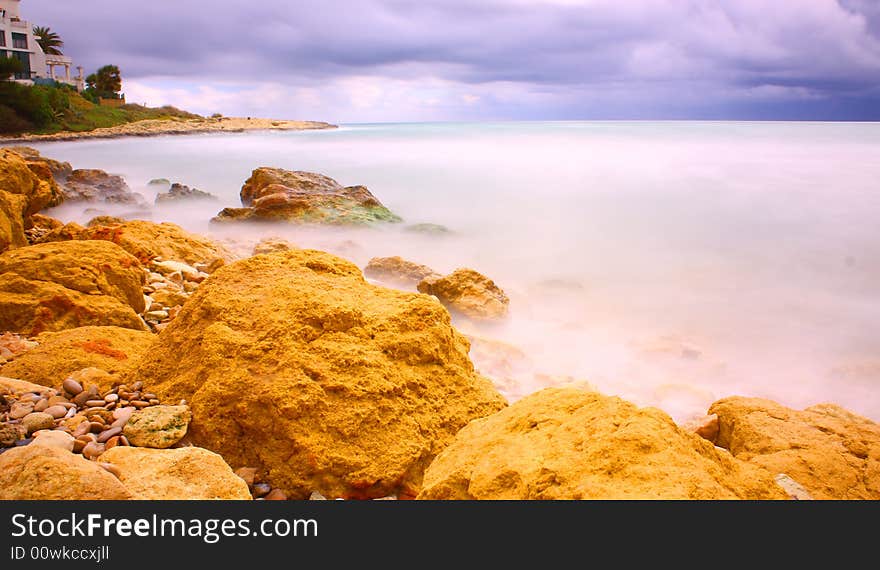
x=54, y=438
x=20, y=410
x=79, y=444
x=112, y=442
x=249, y=474
x=56, y=412
x=93, y=450
x=123, y=413
x=111, y=398
x=72, y=386
x=276, y=495
x=37, y=421
x=105, y=435
x=41, y=405
x=95, y=403
x=96, y=427
x=60, y=401
x=262, y=489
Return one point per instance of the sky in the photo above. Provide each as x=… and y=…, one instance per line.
x=360, y=61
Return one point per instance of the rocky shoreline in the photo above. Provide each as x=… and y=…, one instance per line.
x=140, y=361
x=153, y=127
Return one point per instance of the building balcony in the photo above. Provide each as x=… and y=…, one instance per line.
x=58, y=60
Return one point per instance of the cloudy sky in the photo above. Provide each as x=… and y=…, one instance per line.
x=424, y=60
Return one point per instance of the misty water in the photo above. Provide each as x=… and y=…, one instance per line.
x=669, y=263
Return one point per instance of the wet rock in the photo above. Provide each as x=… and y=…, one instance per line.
x=274, y=194
x=469, y=293
x=180, y=193
x=398, y=271
x=92, y=185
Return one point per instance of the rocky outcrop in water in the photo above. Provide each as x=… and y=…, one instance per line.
x=274, y=194
x=92, y=185
x=570, y=444
x=296, y=366
x=57, y=286
x=181, y=193
x=468, y=293
x=833, y=453
x=398, y=271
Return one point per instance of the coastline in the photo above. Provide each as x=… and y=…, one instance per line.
x=154, y=127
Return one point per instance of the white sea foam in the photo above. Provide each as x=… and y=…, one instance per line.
x=669, y=263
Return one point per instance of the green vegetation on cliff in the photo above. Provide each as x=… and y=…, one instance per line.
x=43, y=109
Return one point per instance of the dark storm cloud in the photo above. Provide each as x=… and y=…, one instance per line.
x=740, y=53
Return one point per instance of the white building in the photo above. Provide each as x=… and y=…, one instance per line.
x=17, y=40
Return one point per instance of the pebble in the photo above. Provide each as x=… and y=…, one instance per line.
x=82, y=429
x=110, y=398
x=41, y=405
x=95, y=403
x=107, y=434
x=83, y=397
x=140, y=404
x=262, y=489
x=54, y=438
x=70, y=412
x=123, y=413
x=96, y=427
x=37, y=421
x=156, y=315
x=72, y=386
x=93, y=450
x=276, y=495
x=249, y=474
x=60, y=401
x=112, y=442
x=20, y=410
x=56, y=412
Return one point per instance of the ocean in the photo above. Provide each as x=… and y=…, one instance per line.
x=669, y=263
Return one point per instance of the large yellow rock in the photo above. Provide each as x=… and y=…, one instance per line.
x=24, y=191
x=45, y=473
x=563, y=443
x=185, y=473
x=33, y=181
x=55, y=286
x=148, y=240
x=468, y=293
x=293, y=364
x=112, y=349
x=59, y=170
x=831, y=452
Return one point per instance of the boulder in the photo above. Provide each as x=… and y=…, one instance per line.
x=148, y=240
x=398, y=271
x=59, y=170
x=274, y=194
x=54, y=438
x=180, y=193
x=112, y=349
x=833, y=453
x=468, y=293
x=562, y=443
x=56, y=286
x=158, y=427
x=91, y=185
x=31, y=180
x=25, y=189
x=185, y=473
x=35, y=421
x=42, y=472
x=293, y=364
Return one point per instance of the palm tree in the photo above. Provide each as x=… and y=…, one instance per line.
x=48, y=40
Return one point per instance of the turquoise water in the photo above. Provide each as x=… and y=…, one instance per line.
x=671, y=263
